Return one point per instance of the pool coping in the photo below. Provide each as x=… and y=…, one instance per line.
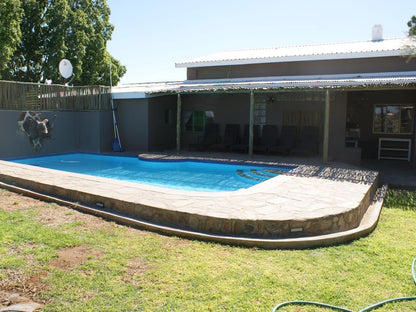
x=258, y=209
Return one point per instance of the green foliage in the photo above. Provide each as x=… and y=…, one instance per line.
x=10, y=34
x=77, y=30
x=412, y=26
x=26, y=62
x=411, y=49
x=11, y=262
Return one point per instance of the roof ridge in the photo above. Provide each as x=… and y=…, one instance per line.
x=392, y=45
x=303, y=45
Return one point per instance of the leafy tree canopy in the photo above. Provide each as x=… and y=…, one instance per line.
x=412, y=26
x=10, y=34
x=411, y=49
x=51, y=30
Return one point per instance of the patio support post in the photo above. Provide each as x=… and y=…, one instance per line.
x=326, y=127
x=178, y=124
x=250, y=137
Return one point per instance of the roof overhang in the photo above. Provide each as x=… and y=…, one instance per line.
x=396, y=80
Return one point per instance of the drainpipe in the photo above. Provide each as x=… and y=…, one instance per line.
x=326, y=128
x=250, y=137
x=178, y=124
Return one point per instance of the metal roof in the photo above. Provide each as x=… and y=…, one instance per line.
x=347, y=50
x=390, y=80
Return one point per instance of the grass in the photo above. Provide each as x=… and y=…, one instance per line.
x=133, y=270
x=401, y=198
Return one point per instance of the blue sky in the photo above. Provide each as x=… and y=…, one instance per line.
x=150, y=36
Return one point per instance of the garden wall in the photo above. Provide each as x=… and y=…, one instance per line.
x=70, y=132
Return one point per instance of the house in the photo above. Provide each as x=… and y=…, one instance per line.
x=360, y=95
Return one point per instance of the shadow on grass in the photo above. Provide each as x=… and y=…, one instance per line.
x=400, y=197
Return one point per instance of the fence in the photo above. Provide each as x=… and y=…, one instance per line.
x=34, y=96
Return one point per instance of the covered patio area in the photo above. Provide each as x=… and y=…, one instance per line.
x=341, y=108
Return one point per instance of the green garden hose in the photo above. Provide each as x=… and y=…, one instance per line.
x=323, y=305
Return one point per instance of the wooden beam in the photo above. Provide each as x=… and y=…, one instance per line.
x=178, y=123
x=251, y=125
x=326, y=127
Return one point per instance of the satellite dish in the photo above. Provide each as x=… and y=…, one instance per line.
x=65, y=68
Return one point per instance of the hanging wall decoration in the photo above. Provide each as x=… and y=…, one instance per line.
x=35, y=126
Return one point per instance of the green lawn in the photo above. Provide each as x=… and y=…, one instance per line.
x=132, y=270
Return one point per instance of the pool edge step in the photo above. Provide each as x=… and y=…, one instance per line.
x=248, y=176
x=367, y=225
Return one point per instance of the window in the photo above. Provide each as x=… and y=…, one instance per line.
x=260, y=111
x=195, y=121
x=395, y=119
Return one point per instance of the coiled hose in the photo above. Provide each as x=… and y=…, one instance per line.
x=323, y=305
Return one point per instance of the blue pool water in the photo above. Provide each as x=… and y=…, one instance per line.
x=180, y=175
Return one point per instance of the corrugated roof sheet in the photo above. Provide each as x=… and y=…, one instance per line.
x=345, y=81
x=386, y=47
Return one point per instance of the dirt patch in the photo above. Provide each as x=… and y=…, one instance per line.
x=18, y=289
x=173, y=244
x=11, y=202
x=74, y=256
x=16, y=282
x=135, y=269
x=51, y=214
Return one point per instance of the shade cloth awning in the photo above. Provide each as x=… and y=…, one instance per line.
x=396, y=80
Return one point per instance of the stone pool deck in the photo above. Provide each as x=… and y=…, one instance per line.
x=312, y=205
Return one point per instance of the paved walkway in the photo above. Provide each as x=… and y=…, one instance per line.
x=394, y=173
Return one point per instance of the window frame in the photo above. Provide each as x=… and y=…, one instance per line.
x=400, y=107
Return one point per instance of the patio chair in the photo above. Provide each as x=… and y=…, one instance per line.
x=231, y=137
x=210, y=137
x=287, y=140
x=243, y=146
x=308, y=144
x=268, y=139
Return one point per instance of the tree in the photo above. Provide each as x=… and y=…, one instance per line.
x=412, y=26
x=26, y=62
x=77, y=30
x=10, y=34
x=411, y=49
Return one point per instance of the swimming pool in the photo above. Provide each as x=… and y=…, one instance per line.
x=180, y=175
